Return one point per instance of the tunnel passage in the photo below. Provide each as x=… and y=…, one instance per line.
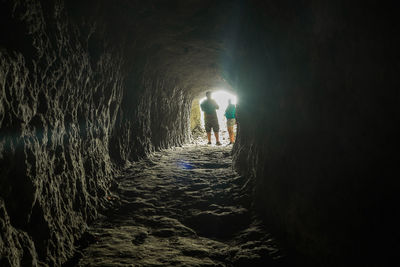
x=180, y=207
x=88, y=87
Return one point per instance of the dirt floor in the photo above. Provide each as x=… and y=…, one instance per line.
x=181, y=207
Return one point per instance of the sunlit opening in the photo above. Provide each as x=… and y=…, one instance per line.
x=221, y=97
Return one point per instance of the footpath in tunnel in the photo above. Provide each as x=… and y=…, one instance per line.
x=184, y=206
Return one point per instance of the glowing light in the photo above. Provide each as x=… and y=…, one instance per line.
x=221, y=97
x=184, y=165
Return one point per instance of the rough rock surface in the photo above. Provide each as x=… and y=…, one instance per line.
x=63, y=123
x=195, y=120
x=87, y=86
x=58, y=108
x=181, y=207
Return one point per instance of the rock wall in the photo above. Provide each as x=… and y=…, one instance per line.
x=195, y=117
x=70, y=108
x=58, y=107
x=317, y=117
x=154, y=115
x=87, y=86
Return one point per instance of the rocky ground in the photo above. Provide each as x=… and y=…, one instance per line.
x=180, y=207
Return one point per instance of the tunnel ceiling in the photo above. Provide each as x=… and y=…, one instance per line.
x=181, y=40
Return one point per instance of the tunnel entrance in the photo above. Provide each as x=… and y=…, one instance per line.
x=197, y=117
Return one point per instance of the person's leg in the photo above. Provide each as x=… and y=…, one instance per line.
x=229, y=124
x=231, y=134
x=208, y=128
x=216, y=134
x=216, y=137
x=215, y=126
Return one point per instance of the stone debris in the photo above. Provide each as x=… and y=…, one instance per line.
x=180, y=207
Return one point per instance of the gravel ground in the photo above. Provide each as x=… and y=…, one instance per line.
x=180, y=207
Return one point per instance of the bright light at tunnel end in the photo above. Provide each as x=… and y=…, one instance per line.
x=221, y=97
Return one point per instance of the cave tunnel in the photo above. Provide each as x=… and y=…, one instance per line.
x=223, y=98
x=98, y=165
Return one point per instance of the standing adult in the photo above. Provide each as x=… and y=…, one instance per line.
x=230, y=114
x=209, y=107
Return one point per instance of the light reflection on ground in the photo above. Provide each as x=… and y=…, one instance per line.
x=184, y=165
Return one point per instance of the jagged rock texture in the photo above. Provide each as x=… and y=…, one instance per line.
x=58, y=110
x=61, y=97
x=87, y=86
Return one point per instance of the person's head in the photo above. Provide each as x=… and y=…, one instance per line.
x=229, y=101
x=208, y=94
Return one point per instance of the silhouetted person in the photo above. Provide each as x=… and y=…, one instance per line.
x=230, y=114
x=209, y=107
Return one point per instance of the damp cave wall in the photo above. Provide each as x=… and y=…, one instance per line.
x=318, y=110
x=73, y=111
